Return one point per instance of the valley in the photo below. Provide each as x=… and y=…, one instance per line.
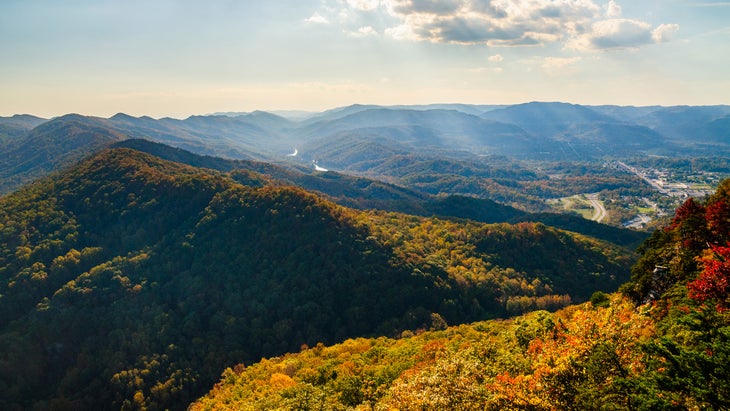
x=365, y=205
x=521, y=155
x=628, y=350
x=589, y=206
x=675, y=183
x=672, y=187
x=141, y=257
x=115, y=289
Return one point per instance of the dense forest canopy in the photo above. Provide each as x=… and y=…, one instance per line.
x=662, y=343
x=142, y=265
x=130, y=282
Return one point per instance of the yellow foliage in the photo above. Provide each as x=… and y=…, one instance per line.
x=468, y=367
x=280, y=381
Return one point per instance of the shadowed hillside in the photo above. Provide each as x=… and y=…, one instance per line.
x=363, y=193
x=132, y=280
x=667, y=349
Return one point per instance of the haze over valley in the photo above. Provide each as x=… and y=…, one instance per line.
x=527, y=156
x=350, y=205
x=441, y=215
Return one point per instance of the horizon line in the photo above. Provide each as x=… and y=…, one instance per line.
x=306, y=113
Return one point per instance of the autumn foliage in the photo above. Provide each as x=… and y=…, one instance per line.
x=713, y=282
x=130, y=282
x=667, y=349
x=573, y=359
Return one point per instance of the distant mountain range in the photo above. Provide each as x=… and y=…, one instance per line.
x=384, y=143
x=139, y=257
x=363, y=193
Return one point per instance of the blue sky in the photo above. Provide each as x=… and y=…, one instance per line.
x=177, y=58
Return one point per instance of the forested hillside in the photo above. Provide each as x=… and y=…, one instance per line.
x=17, y=126
x=128, y=281
x=519, y=155
x=662, y=344
x=38, y=147
x=365, y=193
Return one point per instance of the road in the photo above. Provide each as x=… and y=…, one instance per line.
x=641, y=175
x=600, y=212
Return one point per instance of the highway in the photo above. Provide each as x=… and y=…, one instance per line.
x=600, y=210
x=641, y=175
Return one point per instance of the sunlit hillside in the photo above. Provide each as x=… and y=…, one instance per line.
x=666, y=349
x=128, y=278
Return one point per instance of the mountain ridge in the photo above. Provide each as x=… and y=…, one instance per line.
x=422, y=148
x=363, y=193
x=576, y=132
x=660, y=345
x=117, y=289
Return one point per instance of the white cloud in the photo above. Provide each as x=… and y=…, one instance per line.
x=496, y=58
x=664, y=32
x=403, y=32
x=613, y=10
x=364, y=5
x=363, y=32
x=437, y=7
x=491, y=22
x=316, y=18
x=622, y=34
x=577, y=24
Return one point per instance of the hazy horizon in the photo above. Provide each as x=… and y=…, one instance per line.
x=295, y=114
x=180, y=58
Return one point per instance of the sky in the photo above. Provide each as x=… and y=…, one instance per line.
x=183, y=57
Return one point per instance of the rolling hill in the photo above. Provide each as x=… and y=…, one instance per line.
x=363, y=193
x=667, y=349
x=115, y=293
x=546, y=119
x=535, y=152
x=580, y=132
x=444, y=130
x=682, y=122
x=50, y=146
x=17, y=125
